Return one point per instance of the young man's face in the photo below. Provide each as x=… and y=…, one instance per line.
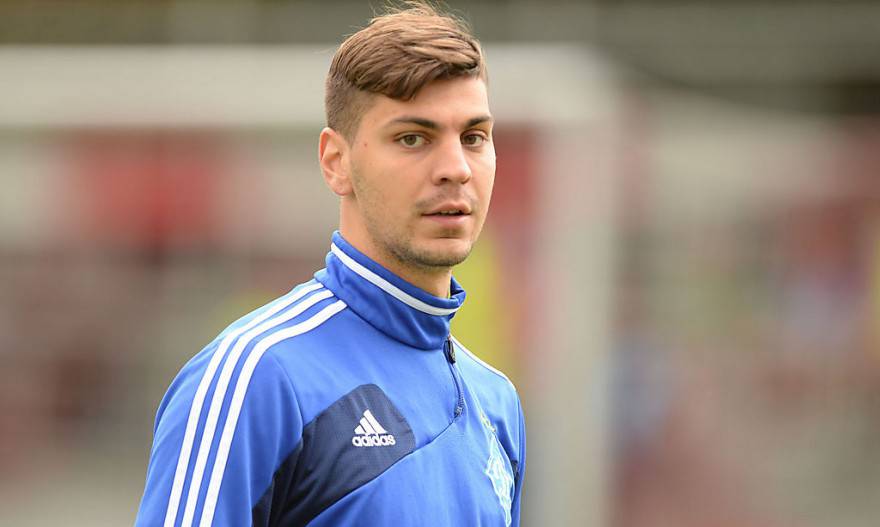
x=422, y=173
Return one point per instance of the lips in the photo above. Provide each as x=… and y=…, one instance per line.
x=458, y=208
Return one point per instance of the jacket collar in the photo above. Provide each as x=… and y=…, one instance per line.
x=390, y=304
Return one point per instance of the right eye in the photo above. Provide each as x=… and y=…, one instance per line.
x=411, y=140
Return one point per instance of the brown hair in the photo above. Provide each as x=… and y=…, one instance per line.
x=396, y=55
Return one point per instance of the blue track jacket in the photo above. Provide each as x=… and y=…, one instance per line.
x=345, y=402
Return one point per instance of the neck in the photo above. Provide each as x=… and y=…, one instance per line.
x=434, y=280
x=387, y=301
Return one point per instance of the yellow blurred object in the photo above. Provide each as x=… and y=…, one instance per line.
x=483, y=324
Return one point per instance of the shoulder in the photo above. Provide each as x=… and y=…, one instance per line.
x=305, y=308
x=486, y=369
x=492, y=384
x=268, y=315
x=244, y=358
x=261, y=334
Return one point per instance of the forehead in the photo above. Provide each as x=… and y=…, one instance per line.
x=447, y=102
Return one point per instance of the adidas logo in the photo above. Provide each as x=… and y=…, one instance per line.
x=371, y=433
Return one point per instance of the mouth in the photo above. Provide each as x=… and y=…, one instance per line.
x=449, y=210
x=449, y=216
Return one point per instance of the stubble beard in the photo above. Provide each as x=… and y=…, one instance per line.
x=407, y=254
x=397, y=243
x=402, y=248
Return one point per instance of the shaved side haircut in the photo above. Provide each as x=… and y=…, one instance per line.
x=396, y=55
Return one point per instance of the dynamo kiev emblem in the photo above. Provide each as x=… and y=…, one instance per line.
x=498, y=471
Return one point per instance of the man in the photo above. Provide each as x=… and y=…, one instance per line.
x=347, y=402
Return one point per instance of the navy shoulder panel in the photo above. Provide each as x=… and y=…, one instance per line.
x=353, y=441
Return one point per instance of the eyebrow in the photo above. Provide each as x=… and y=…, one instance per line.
x=432, y=125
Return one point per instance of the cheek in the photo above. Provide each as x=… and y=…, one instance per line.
x=389, y=195
x=400, y=184
x=484, y=179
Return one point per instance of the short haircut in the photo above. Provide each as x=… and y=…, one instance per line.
x=397, y=55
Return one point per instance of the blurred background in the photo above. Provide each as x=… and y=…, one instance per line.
x=680, y=272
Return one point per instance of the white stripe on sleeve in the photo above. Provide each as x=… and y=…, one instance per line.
x=220, y=394
x=199, y=399
x=238, y=399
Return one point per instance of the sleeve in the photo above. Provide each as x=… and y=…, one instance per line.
x=520, y=468
x=222, y=433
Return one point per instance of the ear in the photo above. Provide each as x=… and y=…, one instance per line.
x=333, y=155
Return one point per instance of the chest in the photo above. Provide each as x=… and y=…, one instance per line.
x=407, y=447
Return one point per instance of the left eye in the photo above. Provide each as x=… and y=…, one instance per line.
x=473, y=140
x=411, y=140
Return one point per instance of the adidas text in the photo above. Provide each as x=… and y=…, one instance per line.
x=374, y=440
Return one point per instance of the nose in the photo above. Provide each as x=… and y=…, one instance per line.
x=451, y=164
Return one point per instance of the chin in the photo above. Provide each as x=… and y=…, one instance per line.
x=445, y=252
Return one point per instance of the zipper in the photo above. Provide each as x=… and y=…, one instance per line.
x=449, y=352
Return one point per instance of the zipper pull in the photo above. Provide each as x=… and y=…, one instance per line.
x=449, y=351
